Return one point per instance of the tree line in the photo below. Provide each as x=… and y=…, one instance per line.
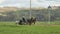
x=41, y=15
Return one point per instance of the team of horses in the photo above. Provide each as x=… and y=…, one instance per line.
x=28, y=21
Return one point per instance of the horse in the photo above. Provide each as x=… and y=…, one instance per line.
x=31, y=20
x=27, y=21
x=22, y=21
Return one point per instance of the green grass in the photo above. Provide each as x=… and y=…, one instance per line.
x=12, y=28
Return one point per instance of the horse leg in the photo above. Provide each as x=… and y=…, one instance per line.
x=34, y=22
x=20, y=23
x=30, y=23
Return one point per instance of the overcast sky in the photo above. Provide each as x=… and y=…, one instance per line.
x=26, y=3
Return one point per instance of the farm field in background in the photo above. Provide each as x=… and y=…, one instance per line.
x=38, y=28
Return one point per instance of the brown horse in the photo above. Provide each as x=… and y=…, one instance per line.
x=31, y=20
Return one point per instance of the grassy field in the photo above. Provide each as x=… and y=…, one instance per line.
x=38, y=28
